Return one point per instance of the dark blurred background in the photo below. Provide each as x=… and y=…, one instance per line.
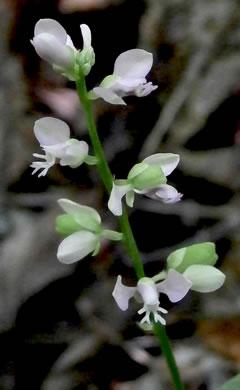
x=59, y=326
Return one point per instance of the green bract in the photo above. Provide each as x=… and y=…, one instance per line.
x=181, y=259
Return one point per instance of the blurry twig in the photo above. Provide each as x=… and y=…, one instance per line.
x=188, y=210
x=204, y=50
x=176, y=100
x=220, y=230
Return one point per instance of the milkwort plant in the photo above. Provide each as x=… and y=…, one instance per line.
x=189, y=268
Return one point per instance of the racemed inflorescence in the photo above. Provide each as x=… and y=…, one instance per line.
x=189, y=268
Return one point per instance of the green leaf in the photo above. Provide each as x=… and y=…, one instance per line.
x=231, y=384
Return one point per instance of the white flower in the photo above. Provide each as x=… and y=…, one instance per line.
x=54, y=45
x=128, y=78
x=197, y=277
x=147, y=178
x=196, y=263
x=175, y=286
x=54, y=138
x=82, y=225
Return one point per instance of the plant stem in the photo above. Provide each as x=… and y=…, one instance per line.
x=102, y=165
x=131, y=245
x=160, y=332
x=107, y=178
x=129, y=240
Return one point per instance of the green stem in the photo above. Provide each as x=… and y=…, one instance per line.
x=160, y=332
x=107, y=178
x=131, y=245
x=102, y=165
x=129, y=240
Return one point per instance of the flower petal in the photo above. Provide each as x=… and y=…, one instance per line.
x=122, y=293
x=108, y=95
x=79, y=212
x=70, y=43
x=126, y=87
x=51, y=131
x=52, y=50
x=130, y=198
x=48, y=162
x=52, y=27
x=175, y=286
x=76, y=246
x=165, y=193
x=133, y=64
x=167, y=161
x=145, y=89
x=148, y=291
x=204, y=278
x=115, y=200
x=87, y=36
x=57, y=150
x=75, y=154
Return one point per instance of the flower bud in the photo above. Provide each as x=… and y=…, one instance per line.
x=86, y=59
x=86, y=69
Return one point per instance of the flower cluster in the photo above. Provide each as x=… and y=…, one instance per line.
x=55, y=46
x=190, y=268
